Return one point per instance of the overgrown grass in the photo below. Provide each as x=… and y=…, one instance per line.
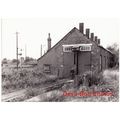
x=32, y=79
x=24, y=78
x=108, y=81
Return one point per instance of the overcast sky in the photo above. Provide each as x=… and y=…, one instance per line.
x=34, y=31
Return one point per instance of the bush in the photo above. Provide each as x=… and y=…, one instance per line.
x=87, y=79
x=111, y=79
x=15, y=61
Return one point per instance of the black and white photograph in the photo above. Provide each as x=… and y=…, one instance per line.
x=59, y=60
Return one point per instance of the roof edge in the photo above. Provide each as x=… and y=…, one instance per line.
x=106, y=49
x=57, y=43
x=66, y=36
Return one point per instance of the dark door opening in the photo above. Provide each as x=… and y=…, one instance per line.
x=76, y=59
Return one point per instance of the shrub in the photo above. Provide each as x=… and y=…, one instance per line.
x=24, y=78
x=87, y=79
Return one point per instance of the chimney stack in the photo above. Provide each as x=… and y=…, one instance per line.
x=92, y=36
x=81, y=27
x=49, y=42
x=99, y=41
x=96, y=39
x=87, y=32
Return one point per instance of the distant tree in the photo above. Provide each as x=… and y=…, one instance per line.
x=115, y=50
x=15, y=61
x=4, y=61
x=27, y=59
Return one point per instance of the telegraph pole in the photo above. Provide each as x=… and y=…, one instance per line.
x=17, y=48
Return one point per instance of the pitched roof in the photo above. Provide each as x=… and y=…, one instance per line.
x=105, y=49
x=59, y=42
x=100, y=46
x=65, y=37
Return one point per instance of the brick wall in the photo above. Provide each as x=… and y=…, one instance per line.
x=61, y=62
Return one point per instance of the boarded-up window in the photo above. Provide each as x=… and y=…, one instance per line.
x=47, y=68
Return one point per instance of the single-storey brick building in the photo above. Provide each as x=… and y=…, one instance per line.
x=75, y=51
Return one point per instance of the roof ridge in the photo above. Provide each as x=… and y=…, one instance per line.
x=105, y=49
x=57, y=43
x=96, y=43
x=87, y=38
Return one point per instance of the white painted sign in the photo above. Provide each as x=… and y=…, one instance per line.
x=67, y=48
x=85, y=48
x=79, y=47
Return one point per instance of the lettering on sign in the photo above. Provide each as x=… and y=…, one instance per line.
x=79, y=47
